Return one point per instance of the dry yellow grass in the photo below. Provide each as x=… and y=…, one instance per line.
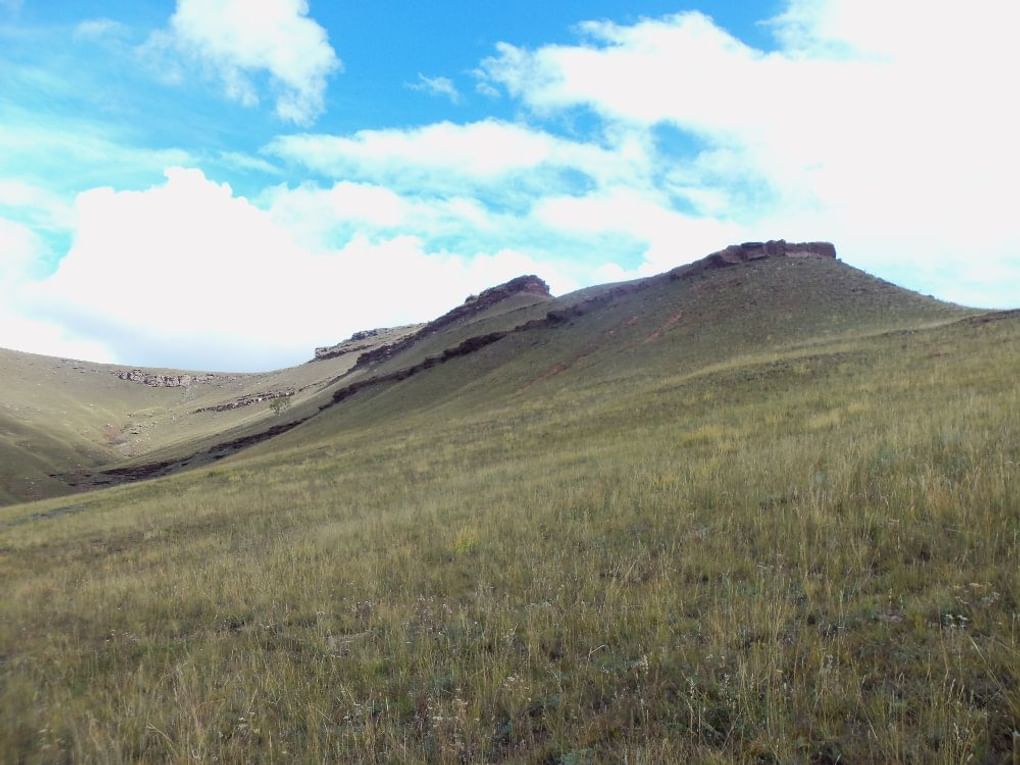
x=795, y=557
x=787, y=534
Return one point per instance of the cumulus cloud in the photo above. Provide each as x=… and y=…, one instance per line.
x=880, y=126
x=20, y=252
x=436, y=86
x=238, y=42
x=20, y=247
x=188, y=273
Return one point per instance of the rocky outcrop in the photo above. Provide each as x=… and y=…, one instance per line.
x=736, y=254
x=801, y=249
x=364, y=340
x=246, y=400
x=522, y=285
x=473, y=306
x=163, y=381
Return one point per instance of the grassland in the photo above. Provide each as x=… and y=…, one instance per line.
x=60, y=417
x=708, y=545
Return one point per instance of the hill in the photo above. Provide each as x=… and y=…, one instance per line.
x=761, y=508
x=61, y=418
x=71, y=425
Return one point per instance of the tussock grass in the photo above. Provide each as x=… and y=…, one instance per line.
x=797, y=556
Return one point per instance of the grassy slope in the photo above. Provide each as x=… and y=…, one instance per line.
x=750, y=538
x=667, y=328
x=59, y=416
x=74, y=418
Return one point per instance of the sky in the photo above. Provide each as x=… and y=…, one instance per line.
x=227, y=184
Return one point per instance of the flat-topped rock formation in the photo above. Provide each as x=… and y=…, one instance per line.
x=736, y=254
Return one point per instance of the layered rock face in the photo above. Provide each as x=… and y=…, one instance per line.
x=774, y=248
x=474, y=305
x=246, y=400
x=736, y=254
x=522, y=285
x=163, y=381
x=362, y=341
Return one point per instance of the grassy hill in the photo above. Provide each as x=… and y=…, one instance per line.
x=760, y=513
x=62, y=419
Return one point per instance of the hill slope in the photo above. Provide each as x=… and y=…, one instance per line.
x=73, y=425
x=762, y=511
x=60, y=418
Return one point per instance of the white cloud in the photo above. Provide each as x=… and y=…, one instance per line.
x=644, y=73
x=40, y=206
x=99, y=29
x=20, y=248
x=486, y=89
x=486, y=149
x=238, y=41
x=445, y=156
x=881, y=126
x=311, y=208
x=334, y=215
x=436, y=86
x=21, y=333
x=76, y=153
x=189, y=274
x=669, y=237
x=247, y=162
x=20, y=251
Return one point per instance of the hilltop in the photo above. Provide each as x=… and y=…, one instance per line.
x=759, y=508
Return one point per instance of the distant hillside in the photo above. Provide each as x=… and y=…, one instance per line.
x=66, y=426
x=61, y=418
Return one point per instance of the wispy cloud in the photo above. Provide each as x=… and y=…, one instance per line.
x=70, y=155
x=446, y=155
x=248, y=162
x=35, y=204
x=436, y=86
x=100, y=29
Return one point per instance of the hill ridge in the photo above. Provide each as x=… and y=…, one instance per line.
x=727, y=303
x=528, y=284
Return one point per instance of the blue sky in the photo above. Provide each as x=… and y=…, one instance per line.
x=226, y=183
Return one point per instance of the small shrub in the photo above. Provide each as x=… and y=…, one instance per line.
x=280, y=405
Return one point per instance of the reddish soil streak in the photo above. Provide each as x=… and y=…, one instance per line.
x=670, y=323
